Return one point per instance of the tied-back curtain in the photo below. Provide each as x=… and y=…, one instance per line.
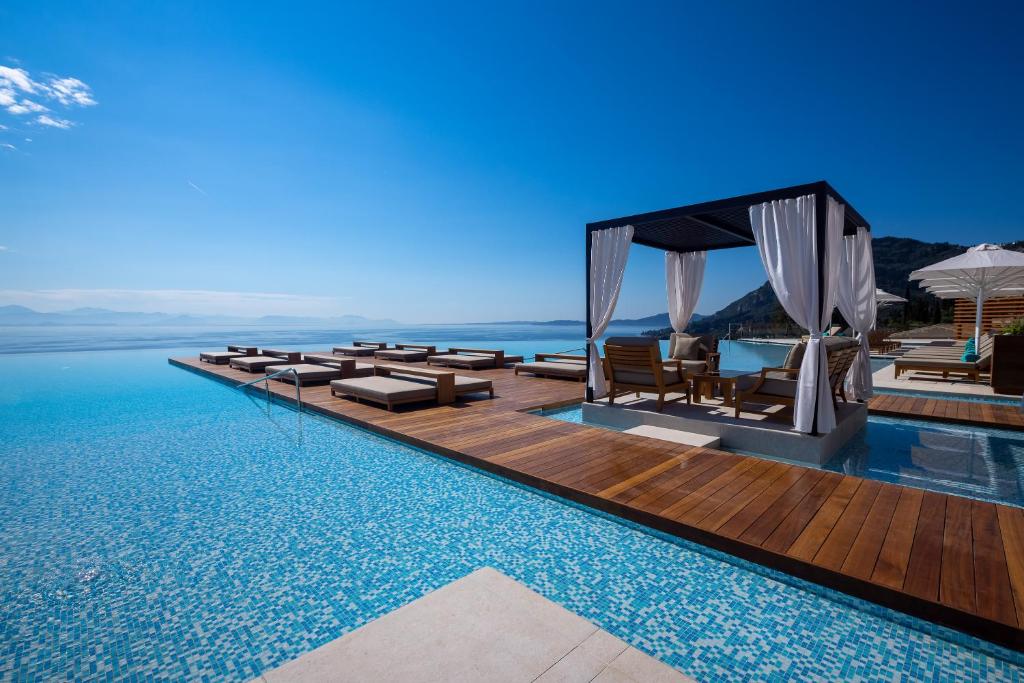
x=684, y=275
x=786, y=238
x=857, y=303
x=608, y=253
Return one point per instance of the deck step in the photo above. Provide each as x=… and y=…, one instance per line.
x=676, y=436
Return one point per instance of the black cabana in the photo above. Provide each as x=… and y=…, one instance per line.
x=720, y=224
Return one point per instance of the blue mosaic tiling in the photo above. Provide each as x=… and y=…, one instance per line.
x=156, y=525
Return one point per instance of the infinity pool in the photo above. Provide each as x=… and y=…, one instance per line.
x=159, y=525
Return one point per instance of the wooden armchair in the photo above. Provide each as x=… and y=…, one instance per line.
x=634, y=364
x=774, y=386
x=777, y=386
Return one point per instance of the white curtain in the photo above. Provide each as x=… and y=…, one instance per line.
x=684, y=275
x=608, y=253
x=786, y=239
x=856, y=301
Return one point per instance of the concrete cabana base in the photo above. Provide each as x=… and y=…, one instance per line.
x=765, y=433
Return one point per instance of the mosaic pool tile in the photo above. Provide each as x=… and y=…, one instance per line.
x=157, y=525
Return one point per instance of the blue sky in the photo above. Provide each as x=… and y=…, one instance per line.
x=437, y=163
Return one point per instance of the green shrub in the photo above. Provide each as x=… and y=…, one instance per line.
x=1015, y=328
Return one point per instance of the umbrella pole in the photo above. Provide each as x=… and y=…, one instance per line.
x=977, y=320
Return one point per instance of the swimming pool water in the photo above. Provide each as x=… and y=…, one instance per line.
x=986, y=464
x=158, y=524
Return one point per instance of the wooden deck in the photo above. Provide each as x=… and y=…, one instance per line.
x=948, y=559
x=962, y=412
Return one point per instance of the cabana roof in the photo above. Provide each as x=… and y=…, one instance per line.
x=720, y=224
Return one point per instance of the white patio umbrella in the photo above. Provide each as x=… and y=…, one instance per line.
x=982, y=272
x=883, y=297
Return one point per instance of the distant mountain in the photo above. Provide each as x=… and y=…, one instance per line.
x=895, y=258
x=21, y=316
x=653, y=320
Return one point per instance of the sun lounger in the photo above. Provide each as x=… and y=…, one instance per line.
x=407, y=353
x=463, y=385
x=359, y=348
x=349, y=367
x=305, y=373
x=389, y=391
x=556, y=365
x=276, y=353
x=947, y=361
x=221, y=357
x=261, y=363
x=510, y=359
x=474, y=359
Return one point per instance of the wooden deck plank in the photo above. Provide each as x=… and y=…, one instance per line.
x=814, y=533
x=991, y=576
x=964, y=560
x=956, y=584
x=1011, y=530
x=864, y=551
x=894, y=555
x=924, y=566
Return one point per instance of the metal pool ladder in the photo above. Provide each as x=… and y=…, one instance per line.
x=266, y=379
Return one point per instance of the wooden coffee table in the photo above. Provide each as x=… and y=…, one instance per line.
x=705, y=385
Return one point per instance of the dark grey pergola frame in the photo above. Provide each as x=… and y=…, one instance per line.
x=719, y=224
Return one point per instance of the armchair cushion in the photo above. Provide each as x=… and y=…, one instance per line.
x=693, y=367
x=686, y=348
x=795, y=356
x=644, y=376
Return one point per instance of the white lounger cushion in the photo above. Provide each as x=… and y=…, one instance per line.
x=385, y=389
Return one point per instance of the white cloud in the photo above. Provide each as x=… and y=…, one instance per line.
x=70, y=91
x=3, y=248
x=176, y=301
x=44, y=120
x=16, y=84
x=197, y=188
x=26, y=107
x=7, y=145
x=18, y=78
